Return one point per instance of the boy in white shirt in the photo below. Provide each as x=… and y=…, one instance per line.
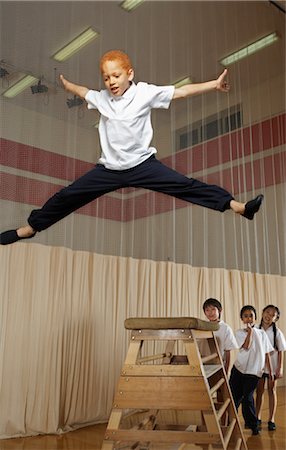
x=224, y=335
x=248, y=367
x=127, y=160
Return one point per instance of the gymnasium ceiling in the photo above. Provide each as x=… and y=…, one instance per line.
x=166, y=41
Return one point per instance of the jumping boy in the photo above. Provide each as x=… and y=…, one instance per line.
x=127, y=160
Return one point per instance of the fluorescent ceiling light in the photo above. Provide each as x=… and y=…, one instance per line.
x=20, y=86
x=128, y=5
x=182, y=82
x=250, y=49
x=75, y=45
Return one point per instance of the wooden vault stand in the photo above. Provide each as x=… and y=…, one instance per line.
x=191, y=385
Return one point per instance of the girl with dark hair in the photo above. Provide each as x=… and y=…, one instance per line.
x=270, y=315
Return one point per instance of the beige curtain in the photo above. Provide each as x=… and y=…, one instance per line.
x=63, y=341
x=131, y=253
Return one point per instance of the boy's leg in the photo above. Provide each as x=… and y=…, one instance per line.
x=158, y=177
x=90, y=186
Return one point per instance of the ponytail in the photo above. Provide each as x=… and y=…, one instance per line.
x=274, y=335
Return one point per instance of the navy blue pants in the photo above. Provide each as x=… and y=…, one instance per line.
x=242, y=388
x=151, y=174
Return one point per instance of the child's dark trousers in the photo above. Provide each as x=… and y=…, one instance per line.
x=151, y=174
x=242, y=388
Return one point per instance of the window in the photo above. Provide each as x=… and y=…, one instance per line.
x=209, y=128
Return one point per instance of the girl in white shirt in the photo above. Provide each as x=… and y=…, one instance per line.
x=254, y=346
x=270, y=315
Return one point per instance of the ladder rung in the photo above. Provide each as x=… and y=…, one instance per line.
x=211, y=369
x=152, y=357
x=238, y=444
x=217, y=386
x=229, y=432
x=209, y=357
x=223, y=408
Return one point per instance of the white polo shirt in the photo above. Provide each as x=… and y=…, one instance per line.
x=251, y=361
x=125, y=128
x=225, y=338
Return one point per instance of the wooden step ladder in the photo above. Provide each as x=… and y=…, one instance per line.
x=173, y=392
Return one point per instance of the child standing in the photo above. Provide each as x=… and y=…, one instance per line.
x=270, y=315
x=224, y=335
x=254, y=349
x=127, y=159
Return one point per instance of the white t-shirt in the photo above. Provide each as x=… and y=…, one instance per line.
x=281, y=345
x=225, y=337
x=251, y=361
x=125, y=128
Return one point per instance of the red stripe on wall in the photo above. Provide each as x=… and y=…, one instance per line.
x=34, y=192
x=36, y=160
x=25, y=190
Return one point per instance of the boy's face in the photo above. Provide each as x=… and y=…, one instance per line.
x=212, y=313
x=116, y=79
x=248, y=317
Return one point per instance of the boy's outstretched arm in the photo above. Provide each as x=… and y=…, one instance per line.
x=220, y=84
x=75, y=89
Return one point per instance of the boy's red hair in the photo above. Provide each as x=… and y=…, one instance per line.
x=116, y=55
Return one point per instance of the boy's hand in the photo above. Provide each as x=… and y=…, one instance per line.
x=75, y=89
x=221, y=83
x=64, y=81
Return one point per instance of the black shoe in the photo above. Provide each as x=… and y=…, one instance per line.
x=252, y=207
x=271, y=426
x=255, y=432
x=11, y=236
x=259, y=424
